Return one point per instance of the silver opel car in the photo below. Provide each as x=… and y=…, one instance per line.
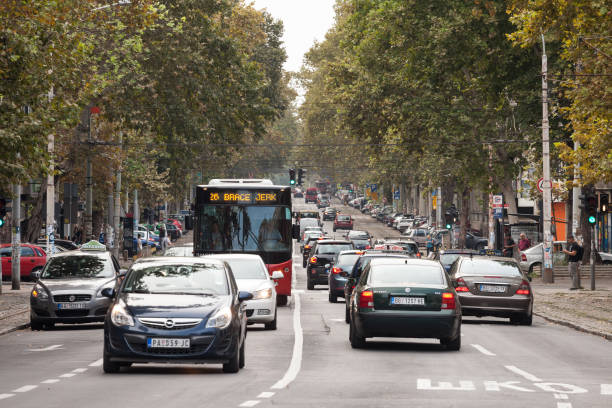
x=69, y=287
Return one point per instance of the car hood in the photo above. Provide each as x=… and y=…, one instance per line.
x=251, y=285
x=162, y=305
x=74, y=285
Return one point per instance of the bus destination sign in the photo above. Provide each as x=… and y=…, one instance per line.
x=244, y=197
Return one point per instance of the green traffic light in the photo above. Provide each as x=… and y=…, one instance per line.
x=292, y=182
x=592, y=219
x=1, y=222
x=448, y=226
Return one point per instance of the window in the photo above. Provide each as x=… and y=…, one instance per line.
x=406, y=275
x=27, y=251
x=76, y=267
x=332, y=249
x=482, y=267
x=347, y=260
x=38, y=252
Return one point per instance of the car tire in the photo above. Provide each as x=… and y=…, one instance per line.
x=271, y=325
x=281, y=300
x=532, y=266
x=347, y=315
x=126, y=365
x=357, y=341
x=452, y=344
x=108, y=366
x=334, y=230
x=233, y=365
x=242, y=357
x=309, y=284
x=36, y=325
x=333, y=298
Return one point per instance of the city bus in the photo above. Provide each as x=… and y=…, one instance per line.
x=250, y=216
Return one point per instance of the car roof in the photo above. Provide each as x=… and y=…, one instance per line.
x=459, y=251
x=333, y=241
x=183, y=260
x=351, y=252
x=407, y=261
x=490, y=258
x=251, y=257
x=394, y=254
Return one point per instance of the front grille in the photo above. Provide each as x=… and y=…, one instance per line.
x=66, y=298
x=164, y=323
x=249, y=312
x=71, y=313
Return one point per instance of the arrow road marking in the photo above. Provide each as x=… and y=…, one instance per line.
x=53, y=347
x=522, y=373
x=561, y=396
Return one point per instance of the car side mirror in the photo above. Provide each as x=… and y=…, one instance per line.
x=108, y=292
x=277, y=275
x=242, y=296
x=36, y=275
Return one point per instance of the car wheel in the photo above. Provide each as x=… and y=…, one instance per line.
x=452, y=344
x=271, y=325
x=356, y=340
x=281, y=300
x=108, y=366
x=233, y=365
x=333, y=298
x=309, y=284
x=126, y=365
x=347, y=315
x=242, y=358
x=479, y=247
x=533, y=265
x=36, y=324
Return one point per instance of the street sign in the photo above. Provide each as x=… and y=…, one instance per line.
x=540, y=184
x=396, y=195
x=498, y=201
x=373, y=187
x=498, y=212
x=434, y=202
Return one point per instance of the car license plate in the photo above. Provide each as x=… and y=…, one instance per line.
x=493, y=288
x=167, y=343
x=64, y=306
x=405, y=300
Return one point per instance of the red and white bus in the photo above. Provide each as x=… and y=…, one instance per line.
x=250, y=216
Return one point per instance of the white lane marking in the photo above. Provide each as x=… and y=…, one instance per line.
x=50, y=381
x=250, y=403
x=337, y=320
x=53, y=347
x=67, y=375
x=606, y=389
x=26, y=388
x=564, y=405
x=266, y=394
x=483, y=350
x=425, y=384
x=5, y=396
x=522, y=373
x=296, y=358
x=96, y=363
x=79, y=370
x=561, y=396
x=561, y=388
x=497, y=386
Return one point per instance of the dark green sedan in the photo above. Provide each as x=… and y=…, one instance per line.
x=413, y=299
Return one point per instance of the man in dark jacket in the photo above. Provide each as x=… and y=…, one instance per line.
x=573, y=252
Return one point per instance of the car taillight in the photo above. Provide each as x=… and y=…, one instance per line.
x=461, y=286
x=366, y=299
x=418, y=254
x=368, y=247
x=523, y=289
x=306, y=246
x=313, y=260
x=336, y=270
x=448, y=300
x=523, y=258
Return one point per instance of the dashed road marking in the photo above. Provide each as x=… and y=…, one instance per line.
x=483, y=350
x=266, y=394
x=79, y=370
x=5, y=396
x=50, y=381
x=25, y=388
x=561, y=396
x=250, y=403
x=564, y=405
x=96, y=363
x=425, y=384
x=67, y=375
x=606, y=389
x=522, y=373
x=511, y=385
x=53, y=347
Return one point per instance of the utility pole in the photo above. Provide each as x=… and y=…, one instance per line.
x=136, y=210
x=50, y=231
x=16, y=239
x=576, y=197
x=592, y=257
x=89, y=190
x=117, y=212
x=548, y=272
x=439, y=208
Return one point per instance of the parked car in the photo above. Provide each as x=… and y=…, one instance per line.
x=342, y=265
x=344, y=222
x=493, y=286
x=32, y=259
x=475, y=242
x=176, y=310
x=322, y=255
x=68, y=290
x=413, y=298
x=534, y=257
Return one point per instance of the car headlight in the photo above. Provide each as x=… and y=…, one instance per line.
x=39, y=293
x=120, y=316
x=110, y=284
x=262, y=294
x=221, y=319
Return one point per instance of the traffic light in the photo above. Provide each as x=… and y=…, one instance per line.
x=300, y=176
x=604, y=203
x=591, y=207
x=292, y=177
x=2, y=211
x=450, y=216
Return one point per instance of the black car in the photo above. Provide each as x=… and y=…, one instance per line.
x=362, y=262
x=322, y=256
x=176, y=310
x=309, y=242
x=414, y=298
x=342, y=266
x=475, y=242
x=361, y=239
x=329, y=214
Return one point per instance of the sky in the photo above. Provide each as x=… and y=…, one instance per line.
x=304, y=20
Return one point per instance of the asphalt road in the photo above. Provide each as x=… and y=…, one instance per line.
x=308, y=362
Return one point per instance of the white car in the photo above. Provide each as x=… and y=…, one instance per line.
x=532, y=257
x=252, y=276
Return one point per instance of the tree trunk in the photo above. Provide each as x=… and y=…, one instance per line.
x=510, y=199
x=585, y=232
x=33, y=224
x=464, y=215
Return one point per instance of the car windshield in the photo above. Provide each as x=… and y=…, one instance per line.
x=77, y=267
x=447, y=259
x=344, y=218
x=405, y=275
x=197, y=279
x=333, y=248
x=348, y=260
x=485, y=267
x=361, y=242
x=247, y=269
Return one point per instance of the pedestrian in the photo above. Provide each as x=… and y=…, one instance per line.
x=509, y=246
x=574, y=253
x=429, y=244
x=524, y=242
x=162, y=237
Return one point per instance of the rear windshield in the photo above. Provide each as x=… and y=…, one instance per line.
x=405, y=275
x=348, y=259
x=486, y=267
x=247, y=269
x=78, y=267
x=333, y=248
x=360, y=241
x=344, y=218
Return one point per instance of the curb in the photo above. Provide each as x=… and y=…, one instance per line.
x=574, y=326
x=15, y=328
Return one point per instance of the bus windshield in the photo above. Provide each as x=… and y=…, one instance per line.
x=236, y=228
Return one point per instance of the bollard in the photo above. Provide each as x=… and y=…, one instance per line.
x=125, y=255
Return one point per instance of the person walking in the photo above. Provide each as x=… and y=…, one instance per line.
x=509, y=246
x=574, y=253
x=162, y=237
x=429, y=244
x=524, y=242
